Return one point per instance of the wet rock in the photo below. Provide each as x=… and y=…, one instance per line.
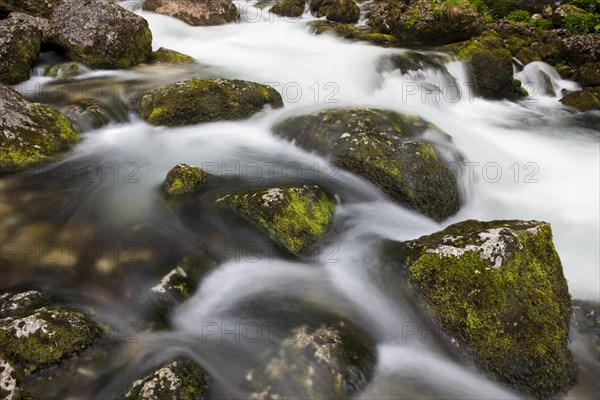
x=412, y=61
x=35, y=333
x=89, y=114
x=196, y=13
x=180, y=379
x=385, y=148
x=527, y=56
x=10, y=381
x=581, y=49
x=582, y=100
x=100, y=34
x=184, y=180
x=37, y=8
x=294, y=217
x=169, y=56
x=332, y=361
x=20, y=43
x=289, y=8
x=588, y=74
x=349, y=31
x=491, y=66
x=586, y=319
x=498, y=290
x=203, y=100
x=31, y=132
x=66, y=70
x=425, y=21
x=342, y=11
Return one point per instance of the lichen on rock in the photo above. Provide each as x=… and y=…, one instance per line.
x=294, y=217
x=184, y=180
x=20, y=43
x=168, y=56
x=498, y=290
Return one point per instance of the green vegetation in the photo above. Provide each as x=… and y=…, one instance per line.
x=518, y=16
x=184, y=180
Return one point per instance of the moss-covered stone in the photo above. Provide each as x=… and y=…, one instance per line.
x=331, y=362
x=294, y=217
x=582, y=100
x=385, y=148
x=498, y=289
x=428, y=22
x=342, y=11
x=36, y=337
x=169, y=56
x=527, y=56
x=501, y=8
x=411, y=61
x=180, y=379
x=20, y=44
x=491, y=66
x=588, y=74
x=37, y=8
x=31, y=132
x=184, y=180
x=349, y=31
x=66, y=70
x=203, y=100
x=119, y=38
x=288, y=8
x=196, y=13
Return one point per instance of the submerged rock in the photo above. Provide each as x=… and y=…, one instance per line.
x=203, y=100
x=89, y=114
x=582, y=100
x=586, y=319
x=66, y=70
x=331, y=361
x=294, y=217
x=349, y=31
x=169, y=56
x=385, y=148
x=180, y=379
x=196, y=13
x=20, y=44
x=184, y=180
x=498, y=289
x=35, y=333
x=100, y=34
x=31, y=132
x=37, y=8
x=491, y=67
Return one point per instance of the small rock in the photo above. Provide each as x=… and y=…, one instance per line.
x=184, y=180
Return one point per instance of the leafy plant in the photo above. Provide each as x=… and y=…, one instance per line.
x=542, y=23
x=518, y=16
x=579, y=23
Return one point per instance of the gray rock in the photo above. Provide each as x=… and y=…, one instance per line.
x=196, y=13
x=20, y=42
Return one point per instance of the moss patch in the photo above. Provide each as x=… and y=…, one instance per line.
x=184, y=180
x=169, y=56
x=582, y=100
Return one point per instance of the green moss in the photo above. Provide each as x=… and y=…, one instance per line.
x=349, y=31
x=294, y=217
x=289, y=8
x=343, y=11
x=66, y=70
x=582, y=100
x=37, y=8
x=19, y=48
x=184, y=180
x=202, y=100
x=169, y=56
x=511, y=317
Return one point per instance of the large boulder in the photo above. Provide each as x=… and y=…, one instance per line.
x=180, y=379
x=196, y=13
x=498, y=290
x=289, y=8
x=583, y=100
x=343, y=11
x=100, y=34
x=35, y=333
x=385, y=148
x=32, y=132
x=581, y=49
x=20, y=43
x=422, y=21
x=294, y=217
x=204, y=100
x=490, y=62
x=37, y=8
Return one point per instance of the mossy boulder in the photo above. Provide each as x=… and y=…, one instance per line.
x=203, y=100
x=37, y=8
x=588, y=74
x=196, y=13
x=36, y=333
x=184, y=180
x=423, y=21
x=66, y=70
x=32, y=132
x=289, y=8
x=169, y=56
x=498, y=290
x=384, y=147
x=100, y=34
x=180, y=379
x=343, y=11
x=349, y=31
x=20, y=44
x=332, y=361
x=491, y=66
x=527, y=56
x=582, y=100
x=294, y=217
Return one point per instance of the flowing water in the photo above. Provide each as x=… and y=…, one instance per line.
x=93, y=228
